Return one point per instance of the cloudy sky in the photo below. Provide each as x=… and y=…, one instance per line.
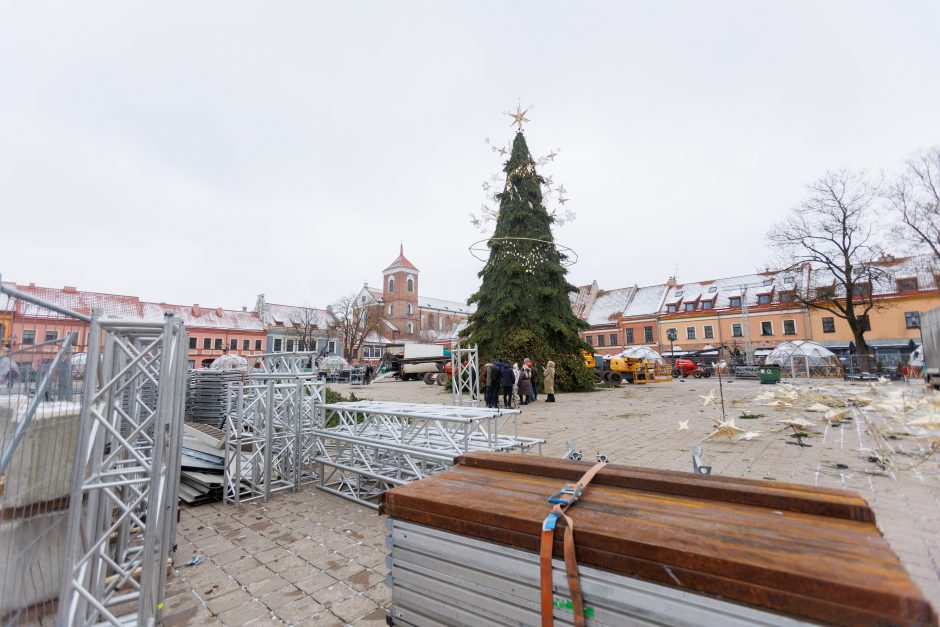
x=210, y=151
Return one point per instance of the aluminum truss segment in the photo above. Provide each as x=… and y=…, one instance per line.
x=465, y=367
x=126, y=474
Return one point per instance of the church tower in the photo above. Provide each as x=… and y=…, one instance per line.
x=400, y=293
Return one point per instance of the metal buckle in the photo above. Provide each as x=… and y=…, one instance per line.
x=573, y=495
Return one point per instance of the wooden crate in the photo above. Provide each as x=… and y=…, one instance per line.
x=798, y=551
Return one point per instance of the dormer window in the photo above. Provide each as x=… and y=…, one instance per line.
x=672, y=308
x=907, y=285
x=410, y=285
x=690, y=306
x=763, y=299
x=734, y=301
x=391, y=284
x=708, y=304
x=679, y=293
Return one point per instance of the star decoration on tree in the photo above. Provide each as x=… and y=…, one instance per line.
x=518, y=117
x=562, y=200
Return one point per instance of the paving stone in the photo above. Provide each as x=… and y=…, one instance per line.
x=267, y=585
x=298, y=611
x=353, y=608
x=363, y=580
x=316, y=582
x=271, y=555
x=380, y=594
x=333, y=594
x=323, y=619
x=285, y=596
x=375, y=617
x=216, y=588
x=345, y=570
x=225, y=602
x=245, y=613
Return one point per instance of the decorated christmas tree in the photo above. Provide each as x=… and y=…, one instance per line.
x=523, y=308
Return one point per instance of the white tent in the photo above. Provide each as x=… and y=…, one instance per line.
x=642, y=352
x=230, y=362
x=801, y=358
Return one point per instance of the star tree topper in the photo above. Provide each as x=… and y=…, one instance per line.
x=518, y=117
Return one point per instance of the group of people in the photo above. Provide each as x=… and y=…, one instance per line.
x=512, y=381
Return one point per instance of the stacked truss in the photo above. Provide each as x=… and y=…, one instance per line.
x=368, y=447
x=270, y=439
x=122, y=518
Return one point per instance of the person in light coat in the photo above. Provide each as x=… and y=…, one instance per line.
x=549, y=382
x=515, y=386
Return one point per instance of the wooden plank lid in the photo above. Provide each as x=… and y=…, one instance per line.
x=805, y=552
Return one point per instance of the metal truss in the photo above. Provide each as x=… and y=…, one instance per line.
x=270, y=442
x=367, y=447
x=282, y=363
x=465, y=367
x=122, y=518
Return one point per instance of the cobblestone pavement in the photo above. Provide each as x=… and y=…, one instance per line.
x=311, y=558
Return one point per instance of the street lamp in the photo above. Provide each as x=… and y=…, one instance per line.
x=671, y=336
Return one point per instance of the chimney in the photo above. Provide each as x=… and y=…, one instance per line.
x=244, y=308
x=671, y=282
x=68, y=289
x=31, y=284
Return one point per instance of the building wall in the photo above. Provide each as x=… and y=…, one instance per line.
x=888, y=320
x=400, y=298
x=198, y=355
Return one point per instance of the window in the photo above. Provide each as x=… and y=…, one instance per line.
x=206, y=363
x=709, y=332
x=206, y=343
x=600, y=339
x=191, y=363
x=29, y=337
x=826, y=291
x=613, y=339
x=389, y=309
x=912, y=319
x=789, y=280
x=861, y=290
x=411, y=327
x=410, y=309
x=410, y=285
x=218, y=343
x=736, y=330
x=51, y=336
x=690, y=306
x=192, y=342
x=864, y=323
x=766, y=327
x=763, y=299
x=648, y=334
x=629, y=336
x=672, y=308
x=708, y=304
x=257, y=345
x=290, y=346
x=789, y=327
x=391, y=284
x=690, y=333
x=277, y=345
x=829, y=325
x=589, y=339
x=246, y=345
x=233, y=344
x=907, y=285
x=331, y=347
x=712, y=289
x=787, y=297
x=734, y=301
x=679, y=293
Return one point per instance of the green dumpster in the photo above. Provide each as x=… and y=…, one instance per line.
x=770, y=373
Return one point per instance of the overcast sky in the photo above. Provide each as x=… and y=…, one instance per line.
x=210, y=151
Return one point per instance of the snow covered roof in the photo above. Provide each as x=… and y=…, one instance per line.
x=111, y=305
x=291, y=315
x=646, y=301
x=608, y=305
x=583, y=299
x=426, y=302
x=923, y=268
x=722, y=290
x=401, y=263
x=205, y=317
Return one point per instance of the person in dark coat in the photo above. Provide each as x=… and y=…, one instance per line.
x=507, y=378
x=491, y=391
x=525, y=385
x=535, y=381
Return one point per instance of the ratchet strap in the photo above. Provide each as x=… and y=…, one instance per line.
x=561, y=501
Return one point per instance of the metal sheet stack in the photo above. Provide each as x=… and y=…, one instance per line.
x=209, y=395
x=202, y=463
x=368, y=447
x=653, y=548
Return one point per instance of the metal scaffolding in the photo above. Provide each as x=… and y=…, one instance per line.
x=270, y=441
x=368, y=447
x=465, y=368
x=123, y=501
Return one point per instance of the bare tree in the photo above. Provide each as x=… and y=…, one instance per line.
x=306, y=328
x=833, y=230
x=915, y=198
x=353, y=322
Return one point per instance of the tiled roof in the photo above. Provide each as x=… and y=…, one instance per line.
x=426, y=302
x=291, y=315
x=205, y=317
x=401, y=262
x=110, y=305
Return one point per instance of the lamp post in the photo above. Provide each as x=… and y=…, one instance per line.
x=671, y=335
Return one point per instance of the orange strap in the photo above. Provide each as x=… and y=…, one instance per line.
x=571, y=562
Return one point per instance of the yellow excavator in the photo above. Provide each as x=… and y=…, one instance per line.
x=617, y=369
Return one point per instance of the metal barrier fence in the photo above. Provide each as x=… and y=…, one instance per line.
x=40, y=394
x=465, y=369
